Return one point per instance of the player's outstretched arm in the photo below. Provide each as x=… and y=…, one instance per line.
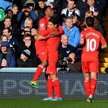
x=104, y=46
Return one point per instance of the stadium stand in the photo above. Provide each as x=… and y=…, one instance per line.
x=104, y=54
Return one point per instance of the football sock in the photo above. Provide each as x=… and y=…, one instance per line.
x=93, y=86
x=87, y=86
x=56, y=85
x=50, y=88
x=38, y=73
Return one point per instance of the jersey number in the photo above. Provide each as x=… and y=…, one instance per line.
x=91, y=45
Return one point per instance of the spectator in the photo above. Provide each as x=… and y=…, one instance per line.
x=15, y=11
x=13, y=43
x=25, y=60
x=40, y=9
x=97, y=25
x=27, y=43
x=9, y=13
x=6, y=4
x=29, y=29
x=76, y=22
x=70, y=9
x=67, y=56
x=30, y=4
x=72, y=32
x=7, y=57
x=8, y=24
x=4, y=38
x=92, y=6
x=26, y=31
x=28, y=23
x=26, y=12
x=102, y=5
x=81, y=4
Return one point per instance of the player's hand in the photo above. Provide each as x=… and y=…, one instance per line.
x=54, y=33
x=33, y=32
x=4, y=63
x=40, y=38
x=95, y=13
x=104, y=46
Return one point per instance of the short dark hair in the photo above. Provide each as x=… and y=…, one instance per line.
x=7, y=17
x=54, y=20
x=74, y=1
x=46, y=7
x=9, y=10
x=9, y=30
x=26, y=35
x=41, y=0
x=90, y=21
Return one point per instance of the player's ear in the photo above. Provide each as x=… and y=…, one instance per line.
x=74, y=5
x=55, y=25
x=23, y=40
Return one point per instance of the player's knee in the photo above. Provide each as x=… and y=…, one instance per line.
x=44, y=63
x=87, y=78
x=53, y=77
x=93, y=75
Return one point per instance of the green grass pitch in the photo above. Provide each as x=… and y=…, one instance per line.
x=37, y=103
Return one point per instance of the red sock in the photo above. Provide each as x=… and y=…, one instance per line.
x=50, y=88
x=38, y=73
x=93, y=86
x=87, y=86
x=56, y=85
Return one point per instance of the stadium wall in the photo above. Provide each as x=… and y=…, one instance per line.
x=14, y=83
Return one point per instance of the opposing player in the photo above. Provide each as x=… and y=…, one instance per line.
x=40, y=45
x=91, y=40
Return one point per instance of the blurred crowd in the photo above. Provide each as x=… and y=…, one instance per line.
x=19, y=20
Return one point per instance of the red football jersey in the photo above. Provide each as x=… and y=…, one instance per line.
x=43, y=23
x=92, y=40
x=41, y=44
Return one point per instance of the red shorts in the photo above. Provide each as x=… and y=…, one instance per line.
x=52, y=62
x=90, y=66
x=41, y=50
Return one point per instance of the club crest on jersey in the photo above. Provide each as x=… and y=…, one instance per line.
x=42, y=26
